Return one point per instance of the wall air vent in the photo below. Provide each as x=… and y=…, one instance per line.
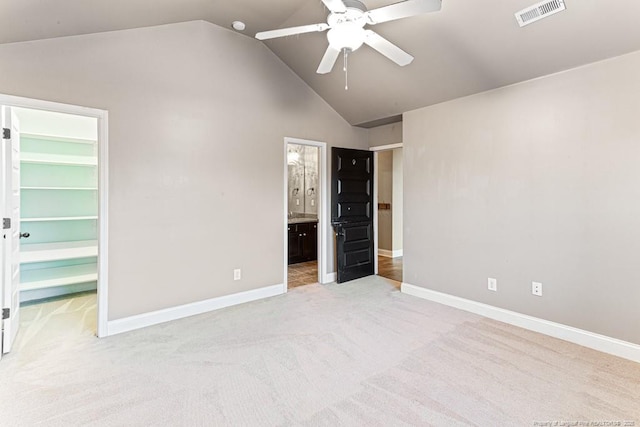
x=538, y=11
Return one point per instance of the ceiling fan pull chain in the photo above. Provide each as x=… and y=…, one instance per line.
x=346, y=70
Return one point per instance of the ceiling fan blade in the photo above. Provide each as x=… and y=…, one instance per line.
x=336, y=6
x=272, y=34
x=387, y=48
x=328, y=60
x=401, y=10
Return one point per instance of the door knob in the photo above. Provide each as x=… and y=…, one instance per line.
x=25, y=235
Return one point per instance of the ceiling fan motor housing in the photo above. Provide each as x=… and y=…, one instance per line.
x=347, y=28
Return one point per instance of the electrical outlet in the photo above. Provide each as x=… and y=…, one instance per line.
x=536, y=288
x=237, y=274
x=492, y=284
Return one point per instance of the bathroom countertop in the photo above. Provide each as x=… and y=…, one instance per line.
x=301, y=220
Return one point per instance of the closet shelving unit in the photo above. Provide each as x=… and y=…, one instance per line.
x=59, y=209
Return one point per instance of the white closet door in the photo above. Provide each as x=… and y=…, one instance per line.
x=2, y=210
x=11, y=242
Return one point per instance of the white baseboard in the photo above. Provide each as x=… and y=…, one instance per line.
x=390, y=254
x=385, y=253
x=329, y=278
x=173, y=313
x=584, y=338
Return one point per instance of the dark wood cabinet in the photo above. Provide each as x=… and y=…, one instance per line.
x=303, y=242
x=295, y=244
x=310, y=242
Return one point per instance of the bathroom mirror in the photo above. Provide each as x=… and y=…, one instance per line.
x=302, y=169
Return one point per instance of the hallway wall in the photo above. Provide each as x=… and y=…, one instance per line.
x=397, y=203
x=385, y=195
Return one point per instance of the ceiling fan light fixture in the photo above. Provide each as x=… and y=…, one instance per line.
x=346, y=36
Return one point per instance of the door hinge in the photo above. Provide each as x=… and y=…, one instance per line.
x=6, y=312
x=6, y=133
x=6, y=223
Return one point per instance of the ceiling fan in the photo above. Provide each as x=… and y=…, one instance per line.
x=346, y=22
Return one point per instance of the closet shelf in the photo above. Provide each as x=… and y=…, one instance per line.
x=59, y=176
x=56, y=138
x=40, y=252
x=59, y=218
x=58, y=159
x=59, y=276
x=59, y=188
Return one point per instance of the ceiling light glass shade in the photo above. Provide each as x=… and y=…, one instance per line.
x=346, y=36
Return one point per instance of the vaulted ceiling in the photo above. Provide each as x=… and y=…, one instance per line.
x=468, y=47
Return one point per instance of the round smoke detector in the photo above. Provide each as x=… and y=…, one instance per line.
x=238, y=25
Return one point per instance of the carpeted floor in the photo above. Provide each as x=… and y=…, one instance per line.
x=355, y=354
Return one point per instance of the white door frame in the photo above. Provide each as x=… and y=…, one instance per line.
x=2, y=201
x=11, y=183
x=103, y=187
x=375, y=196
x=323, y=275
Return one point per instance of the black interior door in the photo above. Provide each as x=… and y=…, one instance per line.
x=352, y=212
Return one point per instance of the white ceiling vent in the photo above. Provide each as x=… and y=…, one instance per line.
x=538, y=11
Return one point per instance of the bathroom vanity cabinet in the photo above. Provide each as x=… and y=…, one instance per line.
x=303, y=242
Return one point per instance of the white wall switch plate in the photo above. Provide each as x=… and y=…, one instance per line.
x=237, y=274
x=297, y=202
x=536, y=288
x=492, y=284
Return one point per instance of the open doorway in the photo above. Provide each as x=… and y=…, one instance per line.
x=389, y=214
x=305, y=205
x=57, y=205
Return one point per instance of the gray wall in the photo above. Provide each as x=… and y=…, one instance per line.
x=536, y=181
x=197, y=117
x=385, y=135
x=389, y=175
x=385, y=195
x=398, y=200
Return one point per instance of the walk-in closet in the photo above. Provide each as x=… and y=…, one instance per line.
x=58, y=204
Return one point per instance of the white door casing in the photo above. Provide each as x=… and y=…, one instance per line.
x=103, y=185
x=2, y=211
x=376, y=150
x=323, y=275
x=11, y=242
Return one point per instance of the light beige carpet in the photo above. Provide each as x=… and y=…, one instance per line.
x=356, y=354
